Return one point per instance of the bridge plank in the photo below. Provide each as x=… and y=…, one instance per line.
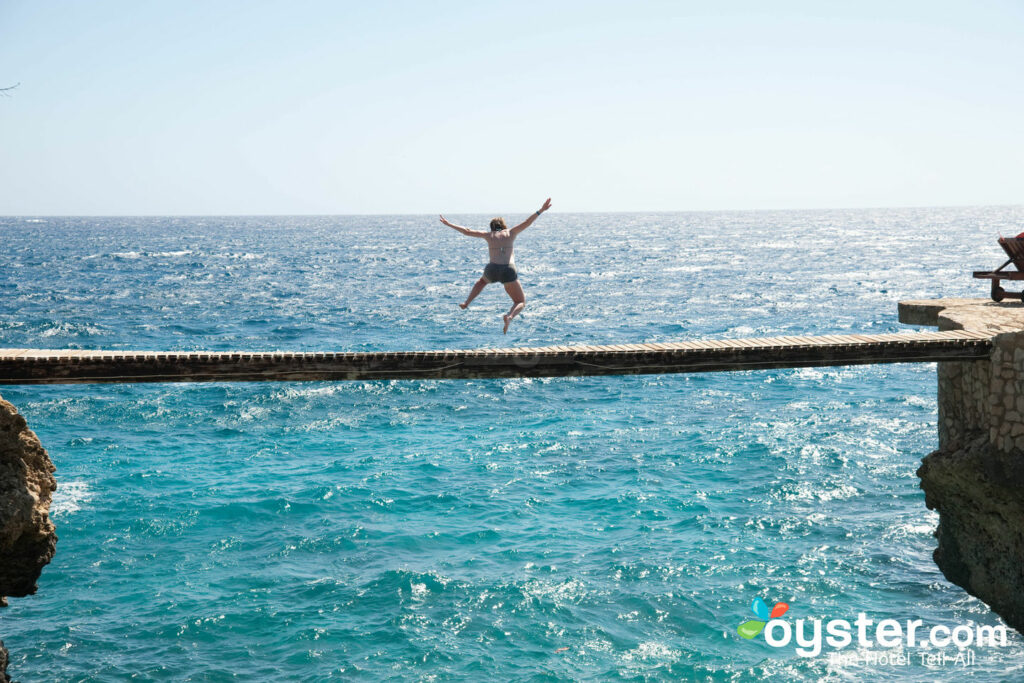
x=816, y=341
x=834, y=340
x=57, y=366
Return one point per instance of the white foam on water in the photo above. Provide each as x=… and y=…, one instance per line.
x=651, y=650
x=69, y=497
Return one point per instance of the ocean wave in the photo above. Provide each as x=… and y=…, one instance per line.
x=69, y=497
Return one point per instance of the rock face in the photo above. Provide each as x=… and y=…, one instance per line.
x=975, y=479
x=3, y=664
x=976, y=490
x=27, y=536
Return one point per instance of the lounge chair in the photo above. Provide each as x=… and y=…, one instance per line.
x=1014, y=248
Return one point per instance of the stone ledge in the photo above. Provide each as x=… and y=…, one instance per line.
x=981, y=315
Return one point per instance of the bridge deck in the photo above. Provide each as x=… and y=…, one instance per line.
x=45, y=366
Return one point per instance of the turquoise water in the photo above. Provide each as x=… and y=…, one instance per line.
x=537, y=529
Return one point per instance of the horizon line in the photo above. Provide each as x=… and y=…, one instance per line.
x=469, y=213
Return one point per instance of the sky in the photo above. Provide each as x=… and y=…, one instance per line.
x=335, y=107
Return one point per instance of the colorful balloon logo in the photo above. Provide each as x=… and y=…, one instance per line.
x=749, y=629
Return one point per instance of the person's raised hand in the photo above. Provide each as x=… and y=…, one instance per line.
x=547, y=205
x=445, y=221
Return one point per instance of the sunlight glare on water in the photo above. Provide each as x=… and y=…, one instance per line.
x=565, y=528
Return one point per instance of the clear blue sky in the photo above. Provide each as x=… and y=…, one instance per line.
x=219, y=107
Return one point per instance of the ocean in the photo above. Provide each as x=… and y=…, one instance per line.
x=511, y=529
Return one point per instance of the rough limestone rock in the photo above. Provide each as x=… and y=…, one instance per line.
x=4, y=678
x=27, y=536
x=976, y=490
x=976, y=477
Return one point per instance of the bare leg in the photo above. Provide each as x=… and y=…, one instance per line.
x=477, y=288
x=514, y=290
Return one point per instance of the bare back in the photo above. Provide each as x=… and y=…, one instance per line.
x=499, y=246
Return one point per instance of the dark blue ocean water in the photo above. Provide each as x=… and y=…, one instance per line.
x=538, y=529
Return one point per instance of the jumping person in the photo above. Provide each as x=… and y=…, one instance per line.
x=502, y=266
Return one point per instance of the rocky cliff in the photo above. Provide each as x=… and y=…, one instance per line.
x=976, y=490
x=28, y=539
x=974, y=480
x=3, y=664
x=27, y=536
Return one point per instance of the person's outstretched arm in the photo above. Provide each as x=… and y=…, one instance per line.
x=464, y=231
x=529, y=221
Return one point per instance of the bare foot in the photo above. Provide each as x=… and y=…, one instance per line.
x=463, y=306
x=508, y=321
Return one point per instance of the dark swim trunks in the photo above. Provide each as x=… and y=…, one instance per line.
x=500, y=272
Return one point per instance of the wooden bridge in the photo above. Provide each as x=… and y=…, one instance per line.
x=45, y=366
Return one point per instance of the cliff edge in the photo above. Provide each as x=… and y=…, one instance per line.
x=975, y=478
x=28, y=538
